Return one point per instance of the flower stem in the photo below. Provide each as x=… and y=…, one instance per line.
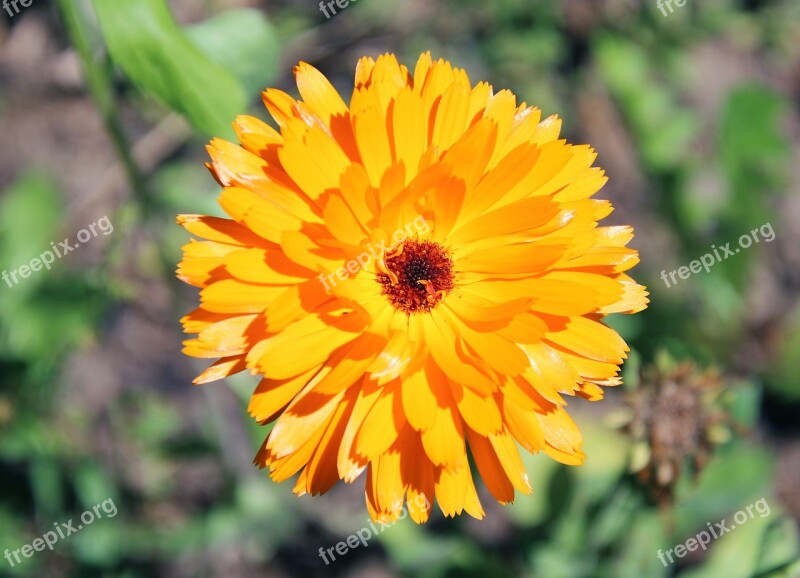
x=98, y=81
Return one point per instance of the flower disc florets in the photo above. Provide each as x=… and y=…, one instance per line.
x=416, y=276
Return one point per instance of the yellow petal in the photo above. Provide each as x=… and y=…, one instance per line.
x=320, y=473
x=349, y=464
x=318, y=93
x=451, y=489
x=306, y=414
x=510, y=460
x=312, y=158
x=591, y=339
x=451, y=115
x=233, y=336
x=273, y=395
x=480, y=412
x=369, y=129
x=232, y=296
x=382, y=424
x=266, y=267
x=222, y=368
x=444, y=441
x=409, y=130
x=450, y=357
x=219, y=230
x=491, y=471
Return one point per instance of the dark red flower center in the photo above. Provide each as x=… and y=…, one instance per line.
x=416, y=276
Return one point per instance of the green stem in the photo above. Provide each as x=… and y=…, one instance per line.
x=98, y=81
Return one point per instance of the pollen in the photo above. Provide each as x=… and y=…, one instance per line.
x=416, y=276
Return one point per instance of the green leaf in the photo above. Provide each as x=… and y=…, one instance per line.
x=754, y=152
x=30, y=212
x=738, y=475
x=244, y=42
x=631, y=376
x=663, y=129
x=784, y=374
x=750, y=549
x=147, y=44
x=780, y=549
x=743, y=400
x=638, y=556
x=411, y=548
x=93, y=486
x=531, y=510
x=598, y=476
x=48, y=311
x=751, y=133
x=46, y=486
x=53, y=320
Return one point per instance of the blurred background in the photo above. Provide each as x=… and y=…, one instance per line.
x=105, y=108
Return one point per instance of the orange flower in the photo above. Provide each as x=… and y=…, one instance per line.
x=416, y=275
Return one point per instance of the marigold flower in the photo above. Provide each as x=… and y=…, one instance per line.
x=416, y=276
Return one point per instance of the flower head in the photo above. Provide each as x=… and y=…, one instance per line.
x=417, y=276
x=676, y=419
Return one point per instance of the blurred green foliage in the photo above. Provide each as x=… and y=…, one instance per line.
x=159, y=58
x=43, y=316
x=594, y=521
